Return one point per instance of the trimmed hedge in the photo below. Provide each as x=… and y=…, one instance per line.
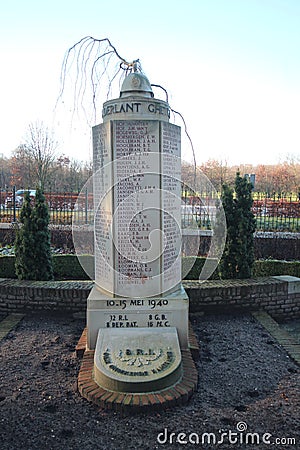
x=261, y=268
x=67, y=267
x=271, y=267
x=7, y=267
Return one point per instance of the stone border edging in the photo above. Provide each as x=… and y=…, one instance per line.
x=8, y=323
x=291, y=346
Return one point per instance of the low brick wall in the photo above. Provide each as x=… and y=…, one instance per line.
x=275, y=295
x=34, y=296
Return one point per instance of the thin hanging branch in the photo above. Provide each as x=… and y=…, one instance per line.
x=97, y=61
x=84, y=44
x=97, y=65
x=185, y=128
x=191, y=143
x=165, y=91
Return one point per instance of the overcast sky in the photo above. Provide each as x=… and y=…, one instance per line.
x=231, y=68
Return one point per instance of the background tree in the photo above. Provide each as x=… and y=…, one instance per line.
x=238, y=257
x=65, y=174
x=5, y=171
x=69, y=175
x=21, y=168
x=217, y=172
x=40, y=147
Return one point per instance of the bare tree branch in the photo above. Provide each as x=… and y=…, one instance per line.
x=98, y=58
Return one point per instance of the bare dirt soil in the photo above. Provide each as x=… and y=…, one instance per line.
x=248, y=395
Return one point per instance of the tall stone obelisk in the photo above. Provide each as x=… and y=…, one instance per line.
x=137, y=314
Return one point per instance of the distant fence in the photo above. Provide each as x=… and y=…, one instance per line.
x=64, y=207
x=277, y=213
x=272, y=213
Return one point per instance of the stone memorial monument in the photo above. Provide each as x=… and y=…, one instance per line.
x=137, y=311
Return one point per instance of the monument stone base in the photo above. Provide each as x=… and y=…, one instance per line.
x=137, y=359
x=159, y=313
x=177, y=394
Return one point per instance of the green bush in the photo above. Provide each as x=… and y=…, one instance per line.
x=68, y=267
x=42, y=249
x=32, y=244
x=24, y=244
x=238, y=255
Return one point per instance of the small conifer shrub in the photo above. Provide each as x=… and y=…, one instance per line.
x=32, y=245
x=238, y=256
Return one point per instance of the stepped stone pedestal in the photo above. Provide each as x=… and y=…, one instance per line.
x=155, y=313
